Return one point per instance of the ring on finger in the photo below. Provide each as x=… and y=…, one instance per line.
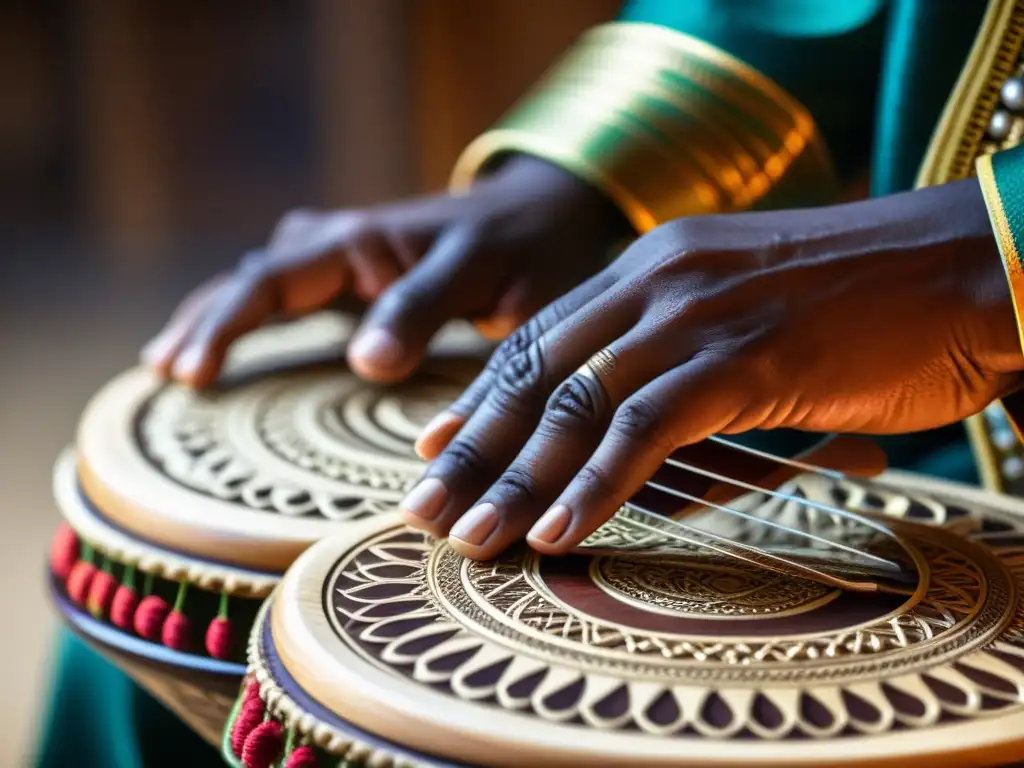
x=600, y=367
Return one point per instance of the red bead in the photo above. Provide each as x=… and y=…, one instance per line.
x=101, y=593
x=122, y=607
x=64, y=551
x=263, y=746
x=303, y=757
x=219, y=639
x=248, y=718
x=177, y=631
x=79, y=580
x=149, y=617
x=252, y=692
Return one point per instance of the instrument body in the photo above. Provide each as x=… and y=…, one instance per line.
x=182, y=509
x=381, y=646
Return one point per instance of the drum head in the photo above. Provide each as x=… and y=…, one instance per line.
x=275, y=458
x=648, y=658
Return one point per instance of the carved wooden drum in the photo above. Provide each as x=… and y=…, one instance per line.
x=383, y=647
x=183, y=509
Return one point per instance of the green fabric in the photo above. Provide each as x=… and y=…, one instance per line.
x=874, y=73
x=926, y=44
x=99, y=718
x=1008, y=172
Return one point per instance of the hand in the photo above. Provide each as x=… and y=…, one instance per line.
x=497, y=254
x=890, y=315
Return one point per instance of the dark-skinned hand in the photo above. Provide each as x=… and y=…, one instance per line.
x=885, y=316
x=496, y=254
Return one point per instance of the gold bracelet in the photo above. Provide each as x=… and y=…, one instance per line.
x=665, y=124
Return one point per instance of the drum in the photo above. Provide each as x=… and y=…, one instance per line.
x=382, y=647
x=182, y=509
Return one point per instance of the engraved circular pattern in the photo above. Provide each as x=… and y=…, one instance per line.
x=706, y=591
x=497, y=634
x=509, y=601
x=305, y=443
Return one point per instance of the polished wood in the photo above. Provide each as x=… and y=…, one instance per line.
x=398, y=650
x=217, y=475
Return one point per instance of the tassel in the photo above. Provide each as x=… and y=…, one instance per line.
x=252, y=692
x=122, y=607
x=63, y=551
x=250, y=716
x=303, y=757
x=177, y=629
x=149, y=617
x=101, y=592
x=263, y=745
x=81, y=576
x=219, y=635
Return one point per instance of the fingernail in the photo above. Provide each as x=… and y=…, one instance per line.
x=188, y=362
x=156, y=350
x=426, y=500
x=377, y=345
x=438, y=432
x=477, y=525
x=552, y=525
x=496, y=328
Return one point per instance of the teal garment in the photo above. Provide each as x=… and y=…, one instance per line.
x=99, y=718
x=1008, y=174
x=874, y=73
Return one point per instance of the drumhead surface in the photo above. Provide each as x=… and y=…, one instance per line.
x=277, y=456
x=648, y=657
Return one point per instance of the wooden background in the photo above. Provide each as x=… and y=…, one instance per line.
x=130, y=125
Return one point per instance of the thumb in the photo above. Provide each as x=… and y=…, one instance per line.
x=446, y=283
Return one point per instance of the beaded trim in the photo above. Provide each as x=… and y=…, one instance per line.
x=283, y=709
x=118, y=546
x=156, y=611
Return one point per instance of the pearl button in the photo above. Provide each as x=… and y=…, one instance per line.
x=995, y=415
x=1013, y=467
x=999, y=125
x=1004, y=439
x=1012, y=94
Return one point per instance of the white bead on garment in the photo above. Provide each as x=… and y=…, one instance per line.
x=999, y=125
x=1012, y=94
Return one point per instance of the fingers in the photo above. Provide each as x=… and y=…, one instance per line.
x=394, y=336
x=160, y=352
x=519, y=389
x=241, y=304
x=439, y=432
x=572, y=425
x=374, y=263
x=312, y=259
x=681, y=407
x=521, y=300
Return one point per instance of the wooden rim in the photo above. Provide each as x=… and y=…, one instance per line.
x=409, y=713
x=146, y=557
x=143, y=495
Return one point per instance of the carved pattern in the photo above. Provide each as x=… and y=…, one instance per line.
x=706, y=591
x=413, y=606
x=317, y=444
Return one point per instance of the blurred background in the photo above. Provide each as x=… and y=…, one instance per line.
x=145, y=146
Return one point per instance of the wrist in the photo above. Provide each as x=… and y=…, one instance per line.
x=566, y=195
